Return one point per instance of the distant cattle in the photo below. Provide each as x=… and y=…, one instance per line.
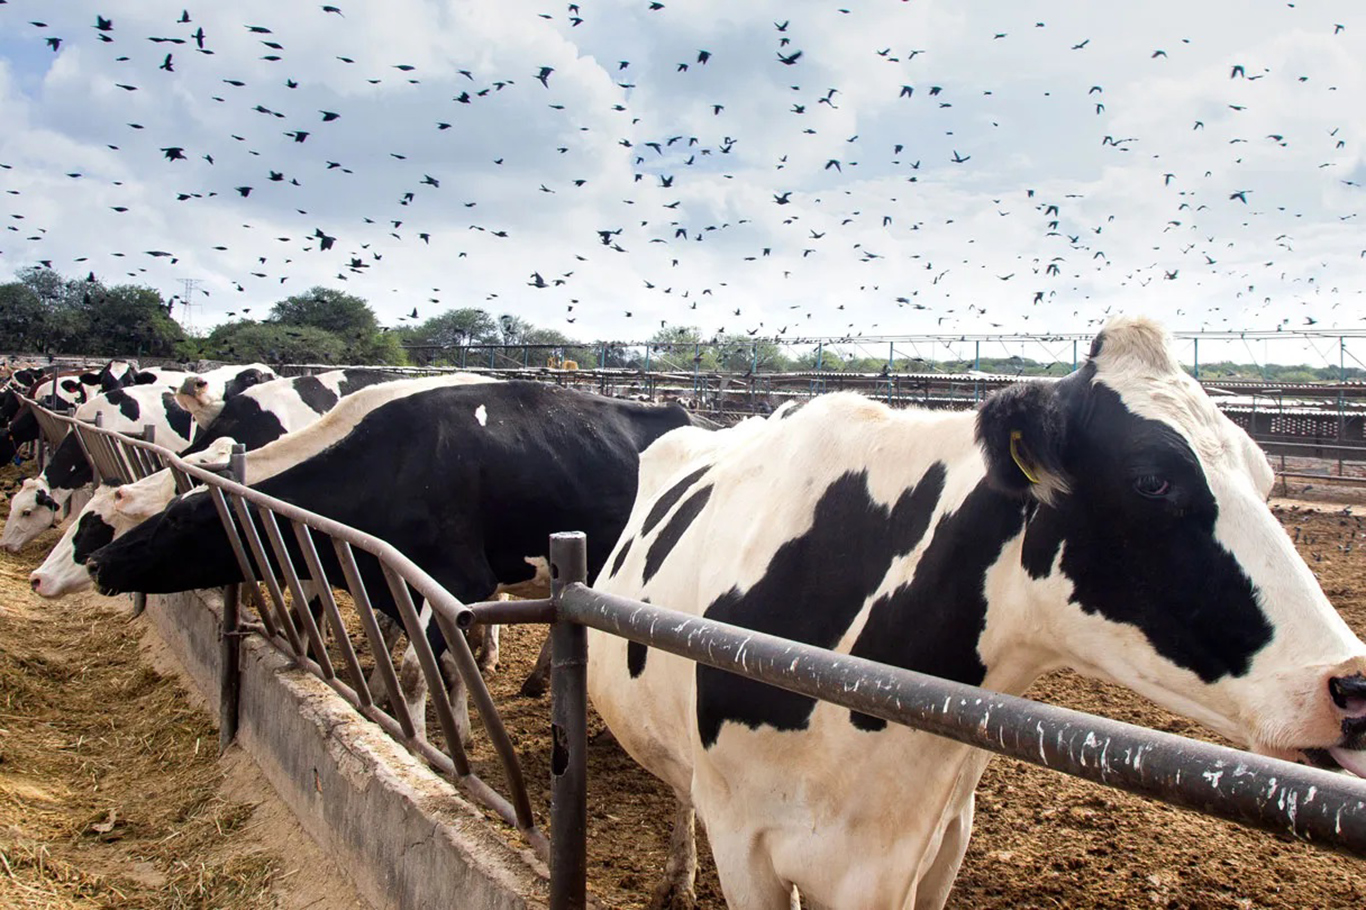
x=1113, y=522
x=265, y=412
x=205, y=394
x=38, y=503
x=468, y=482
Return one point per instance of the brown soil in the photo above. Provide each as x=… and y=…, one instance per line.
x=112, y=794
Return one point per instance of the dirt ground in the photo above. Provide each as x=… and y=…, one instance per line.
x=112, y=794
x=184, y=834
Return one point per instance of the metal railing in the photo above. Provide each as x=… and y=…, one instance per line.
x=1320, y=807
x=253, y=524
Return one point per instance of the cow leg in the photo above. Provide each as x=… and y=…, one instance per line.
x=675, y=892
x=748, y=878
x=934, y=887
x=538, y=680
x=389, y=631
x=414, y=685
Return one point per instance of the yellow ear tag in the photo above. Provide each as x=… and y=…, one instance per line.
x=1015, y=436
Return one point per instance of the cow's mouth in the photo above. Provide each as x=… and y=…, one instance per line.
x=1338, y=759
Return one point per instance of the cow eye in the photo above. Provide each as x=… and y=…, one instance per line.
x=26, y=513
x=1151, y=486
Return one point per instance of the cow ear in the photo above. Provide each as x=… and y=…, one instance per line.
x=144, y=378
x=70, y=386
x=1022, y=430
x=90, y=378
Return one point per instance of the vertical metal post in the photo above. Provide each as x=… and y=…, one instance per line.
x=149, y=433
x=1195, y=358
x=977, y=356
x=569, y=731
x=1074, y=354
x=230, y=671
x=696, y=365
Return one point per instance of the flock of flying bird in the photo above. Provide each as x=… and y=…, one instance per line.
x=795, y=226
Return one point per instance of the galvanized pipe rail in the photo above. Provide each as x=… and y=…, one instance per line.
x=1320, y=807
x=290, y=626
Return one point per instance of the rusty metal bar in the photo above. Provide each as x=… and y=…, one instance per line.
x=230, y=669
x=426, y=658
x=384, y=664
x=320, y=582
x=1277, y=796
x=302, y=610
x=569, y=729
x=509, y=612
x=468, y=668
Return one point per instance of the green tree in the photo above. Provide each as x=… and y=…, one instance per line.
x=346, y=317
x=273, y=343
x=129, y=320
x=23, y=318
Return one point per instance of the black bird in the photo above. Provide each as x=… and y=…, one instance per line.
x=790, y=59
x=333, y=9
x=198, y=37
x=102, y=24
x=174, y=153
x=959, y=159
x=544, y=75
x=54, y=43
x=784, y=199
x=329, y=116
x=167, y=65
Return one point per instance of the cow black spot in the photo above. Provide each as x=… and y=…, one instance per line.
x=665, y=502
x=932, y=623
x=46, y=501
x=176, y=416
x=635, y=658
x=243, y=381
x=354, y=380
x=621, y=557
x=314, y=394
x=814, y=587
x=127, y=404
x=70, y=386
x=669, y=536
x=1043, y=538
x=1154, y=562
x=68, y=469
x=91, y=533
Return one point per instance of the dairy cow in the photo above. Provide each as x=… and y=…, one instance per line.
x=468, y=482
x=115, y=509
x=37, y=504
x=205, y=394
x=265, y=412
x=1113, y=522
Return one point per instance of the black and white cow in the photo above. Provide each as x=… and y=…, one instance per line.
x=37, y=505
x=1113, y=522
x=115, y=509
x=204, y=394
x=265, y=412
x=468, y=482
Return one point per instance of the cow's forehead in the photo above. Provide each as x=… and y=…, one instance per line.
x=1152, y=385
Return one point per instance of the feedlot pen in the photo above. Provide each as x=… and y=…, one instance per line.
x=1040, y=840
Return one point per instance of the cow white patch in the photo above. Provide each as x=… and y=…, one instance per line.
x=481, y=414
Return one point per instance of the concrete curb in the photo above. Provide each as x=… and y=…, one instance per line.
x=405, y=837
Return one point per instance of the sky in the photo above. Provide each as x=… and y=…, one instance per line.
x=772, y=167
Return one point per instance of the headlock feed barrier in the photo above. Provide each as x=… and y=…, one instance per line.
x=1324, y=808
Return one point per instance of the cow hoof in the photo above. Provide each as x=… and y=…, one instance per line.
x=488, y=667
x=534, y=687
x=671, y=895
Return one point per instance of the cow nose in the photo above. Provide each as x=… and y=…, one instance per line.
x=1349, y=695
x=35, y=582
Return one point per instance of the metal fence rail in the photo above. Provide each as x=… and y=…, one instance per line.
x=253, y=523
x=1321, y=807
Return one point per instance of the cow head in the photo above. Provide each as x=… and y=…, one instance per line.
x=180, y=549
x=32, y=510
x=114, y=510
x=115, y=375
x=1155, y=561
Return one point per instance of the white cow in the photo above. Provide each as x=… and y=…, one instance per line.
x=1113, y=522
x=205, y=394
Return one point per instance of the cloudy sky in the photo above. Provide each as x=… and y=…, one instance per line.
x=782, y=168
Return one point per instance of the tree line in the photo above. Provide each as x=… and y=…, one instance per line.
x=42, y=312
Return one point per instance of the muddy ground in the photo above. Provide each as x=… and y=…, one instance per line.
x=87, y=726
